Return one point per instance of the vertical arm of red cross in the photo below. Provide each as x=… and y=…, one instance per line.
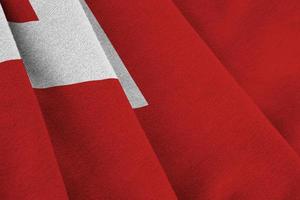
x=18, y=10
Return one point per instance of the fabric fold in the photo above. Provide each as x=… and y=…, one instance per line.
x=211, y=139
x=258, y=43
x=101, y=149
x=148, y=100
x=28, y=169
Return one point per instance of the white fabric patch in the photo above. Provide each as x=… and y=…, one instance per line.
x=133, y=93
x=61, y=48
x=8, y=49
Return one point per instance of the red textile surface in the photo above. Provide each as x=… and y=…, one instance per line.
x=221, y=79
x=28, y=168
x=258, y=42
x=18, y=11
x=211, y=139
x=101, y=148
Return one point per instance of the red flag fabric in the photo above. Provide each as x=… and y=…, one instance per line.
x=262, y=55
x=100, y=147
x=149, y=100
x=28, y=167
x=212, y=140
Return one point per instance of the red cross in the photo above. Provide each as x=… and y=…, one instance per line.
x=18, y=10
